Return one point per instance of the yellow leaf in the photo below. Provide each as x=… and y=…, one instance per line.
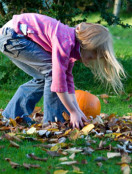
x=67, y=132
x=58, y=146
x=74, y=134
x=11, y=134
x=60, y=171
x=125, y=168
x=87, y=129
x=13, y=122
x=66, y=116
x=53, y=129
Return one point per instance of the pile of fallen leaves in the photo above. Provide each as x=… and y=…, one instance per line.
x=54, y=135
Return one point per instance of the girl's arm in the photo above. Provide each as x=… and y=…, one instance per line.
x=74, y=101
x=76, y=115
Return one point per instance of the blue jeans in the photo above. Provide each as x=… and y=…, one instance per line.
x=36, y=62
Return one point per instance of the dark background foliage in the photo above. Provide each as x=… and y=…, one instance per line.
x=63, y=10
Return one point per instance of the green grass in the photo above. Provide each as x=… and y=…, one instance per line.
x=53, y=163
x=83, y=80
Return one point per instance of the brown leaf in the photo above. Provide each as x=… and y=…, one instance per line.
x=36, y=158
x=5, y=128
x=105, y=101
x=13, y=122
x=13, y=144
x=104, y=96
x=99, y=164
x=125, y=158
x=27, y=166
x=13, y=165
x=100, y=158
x=62, y=152
x=53, y=153
x=8, y=137
x=76, y=169
x=66, y=116
x=1, y=147
x=84, y=161
x=35, y=165
x=130, y=106
x=128, y=98
x=17, y=139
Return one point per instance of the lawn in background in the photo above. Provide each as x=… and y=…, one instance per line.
x=83, y=80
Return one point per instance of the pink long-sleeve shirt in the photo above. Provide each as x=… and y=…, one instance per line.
x=57, y=38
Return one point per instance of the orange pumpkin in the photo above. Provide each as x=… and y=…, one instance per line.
x=88, y=103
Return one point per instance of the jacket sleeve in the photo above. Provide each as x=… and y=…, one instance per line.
x=61, y=49
x=70, y=81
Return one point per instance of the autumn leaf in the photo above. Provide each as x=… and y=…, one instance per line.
x=87, y=129
x=32, y=130
x=76, y=169
x=125, y=168
x=73, y=150
x=104, y=96
x=60, y=171
x=28, y=166
x=31, y=155
x=53, y=153
x=105, y=101
x=1, y=147
x=13, y=164
x=69, y=162
x=63, y=159
x=13, y=122
x=74, y=134
x=100, y=158
x=113, y=154
x=13, y=144
x=66, y=116
x=72, y=156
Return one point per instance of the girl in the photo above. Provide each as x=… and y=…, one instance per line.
x=46, y=49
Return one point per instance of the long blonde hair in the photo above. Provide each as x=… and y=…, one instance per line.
x=106, y=67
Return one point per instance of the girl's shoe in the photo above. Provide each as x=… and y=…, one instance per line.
x=28, y=120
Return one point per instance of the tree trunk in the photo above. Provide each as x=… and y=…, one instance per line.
x=117, y=6
x=129, y=6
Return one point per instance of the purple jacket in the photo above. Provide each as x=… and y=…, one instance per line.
x=57, y=38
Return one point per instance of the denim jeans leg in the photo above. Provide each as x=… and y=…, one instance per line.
x=53, y=107
x=36, y=62
x=25, y=99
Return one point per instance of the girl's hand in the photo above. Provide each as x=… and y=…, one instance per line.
x=77, y=118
